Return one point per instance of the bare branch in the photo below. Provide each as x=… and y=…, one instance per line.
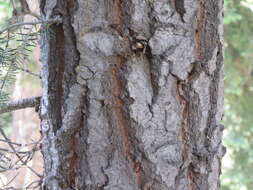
x=13, y=5
x=18, y=155
x=33, y=14
x=25, y=6
x=54, y=20
x=29, y=72
x=20, y=104
x=11, y=180
x=26, y=10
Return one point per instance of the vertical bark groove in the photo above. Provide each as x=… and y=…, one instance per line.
x=61, y=112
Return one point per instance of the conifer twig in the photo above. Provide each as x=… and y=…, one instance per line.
x=20, y=104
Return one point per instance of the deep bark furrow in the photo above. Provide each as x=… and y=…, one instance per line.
x=207, y=39
x=121, y=121
x=64, y=110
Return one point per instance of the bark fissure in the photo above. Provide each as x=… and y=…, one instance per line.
x=66, y=102
x=180, y=9
x=202, y=154
x=120, y=120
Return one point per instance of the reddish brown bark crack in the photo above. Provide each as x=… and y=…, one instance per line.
x=118, y=106
x=73, y=161
x=63, y=59
x=199, y=31
x=184, y=133
x=206, y=40
x=117, y=16
x=60, y=68
x=56, y=74
x=120, y=119
x=119, y=116
x=71, y=57
x=188, y=133
x=206, y=30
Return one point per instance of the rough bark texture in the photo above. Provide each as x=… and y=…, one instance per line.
x=133, y=94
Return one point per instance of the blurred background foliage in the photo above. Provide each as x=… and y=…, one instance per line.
x=238, y=118
x=5, y=9
x=16, y=49
x=237, y=173
x=5, y=13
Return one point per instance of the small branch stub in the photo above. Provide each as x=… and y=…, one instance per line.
x=20, y=104
x=49, y=21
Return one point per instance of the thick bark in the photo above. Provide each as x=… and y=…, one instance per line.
x=132, y=94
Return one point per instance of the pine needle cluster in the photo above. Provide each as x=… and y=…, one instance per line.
x=15, y=48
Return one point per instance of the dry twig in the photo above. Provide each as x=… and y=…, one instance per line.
x=23, y=158
x=20, y=104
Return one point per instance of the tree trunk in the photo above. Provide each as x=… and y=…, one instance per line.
x=132, y=94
